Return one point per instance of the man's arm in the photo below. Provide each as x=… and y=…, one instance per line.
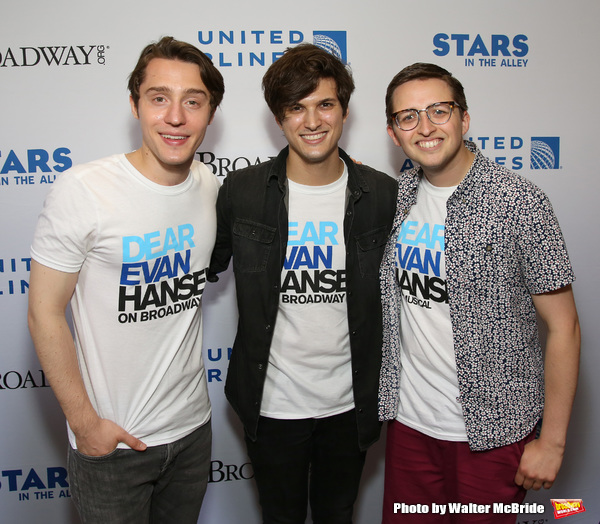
x=222, y=251
x=543, y=457
x=49, y=294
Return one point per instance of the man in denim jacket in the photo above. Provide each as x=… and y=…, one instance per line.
x=306, y=232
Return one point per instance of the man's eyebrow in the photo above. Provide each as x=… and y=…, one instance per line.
x=324, y=100
x=330, y=99
x=166, y=89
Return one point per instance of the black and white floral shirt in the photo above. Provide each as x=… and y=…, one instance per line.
x=503, y=244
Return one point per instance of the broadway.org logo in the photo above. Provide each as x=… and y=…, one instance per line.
x=567, y=507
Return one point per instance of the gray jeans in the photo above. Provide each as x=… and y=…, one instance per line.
x=164, y=484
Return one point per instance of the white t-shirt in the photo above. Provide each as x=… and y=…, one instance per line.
x=428, y=386
x=141, y=250
x=309, y=373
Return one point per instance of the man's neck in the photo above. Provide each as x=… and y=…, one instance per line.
x=157, y=172
x=453, y=174
x=317, y=174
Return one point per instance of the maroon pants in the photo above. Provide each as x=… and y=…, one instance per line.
x=424, y=475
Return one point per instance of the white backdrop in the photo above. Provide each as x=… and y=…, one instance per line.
x=531, y=77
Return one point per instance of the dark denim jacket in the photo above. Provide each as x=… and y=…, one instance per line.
x=252, y=227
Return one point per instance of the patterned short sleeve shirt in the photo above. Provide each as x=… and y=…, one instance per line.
x=503, y=244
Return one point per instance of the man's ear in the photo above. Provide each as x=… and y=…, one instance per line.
x=390, y=131
x=466, y=122
x=134, y=109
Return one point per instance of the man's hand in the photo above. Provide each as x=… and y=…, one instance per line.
x=49, y=293
x=539, y=465
x=103, y=436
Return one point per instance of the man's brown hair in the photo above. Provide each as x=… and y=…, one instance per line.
x=297, y=74
x=171, y=49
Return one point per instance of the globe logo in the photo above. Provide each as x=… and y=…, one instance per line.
x=542, y=155
x=329, y=44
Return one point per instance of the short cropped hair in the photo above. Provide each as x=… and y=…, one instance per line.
x=171, y=49
x=422, y=71
x=297, y=74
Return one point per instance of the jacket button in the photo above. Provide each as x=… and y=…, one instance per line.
x=260, y=367
x=267, y=327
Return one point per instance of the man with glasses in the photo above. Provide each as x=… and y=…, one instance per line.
x=475, y=253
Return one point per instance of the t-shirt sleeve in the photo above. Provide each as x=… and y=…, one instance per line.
x=66, y=227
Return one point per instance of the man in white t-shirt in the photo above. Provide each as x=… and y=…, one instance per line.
x=475, y=253
x=127, y=240
x=306, y=232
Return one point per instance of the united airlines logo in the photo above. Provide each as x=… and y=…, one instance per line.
x=14, y=279
x=496, y=50
x=333, y=42
x=545, y=152
x=217, y=357
x=511, y=151
x=262, y=47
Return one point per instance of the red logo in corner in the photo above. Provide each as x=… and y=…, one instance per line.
x=567, y=507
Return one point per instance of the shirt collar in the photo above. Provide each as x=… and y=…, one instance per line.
x=356, y=180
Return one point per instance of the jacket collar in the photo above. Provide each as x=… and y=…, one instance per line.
x=356, y=180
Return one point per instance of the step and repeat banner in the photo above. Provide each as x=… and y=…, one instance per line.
x=531, y=78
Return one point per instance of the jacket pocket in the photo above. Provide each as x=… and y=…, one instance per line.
x=370, y=249
x=252, y=243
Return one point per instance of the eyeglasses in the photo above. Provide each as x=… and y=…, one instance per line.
x=438, y=114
